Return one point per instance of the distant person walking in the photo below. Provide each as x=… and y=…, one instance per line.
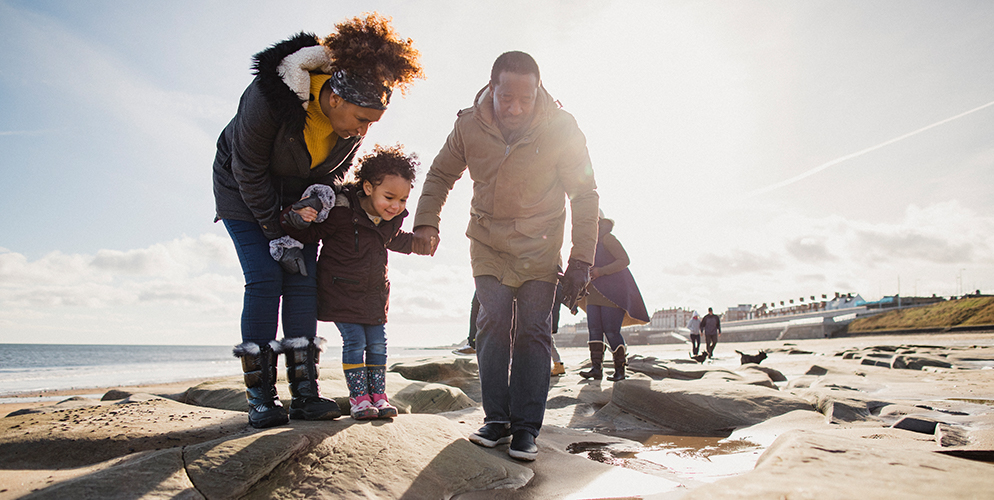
x=614, y=301
x=299, y=123
x=711, y=325
x=474, y=312
x=558, y=368
x=694, y=325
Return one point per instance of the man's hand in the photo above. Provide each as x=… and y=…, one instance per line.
x=425, y=240
x=292, y=261
x=304, y=212
x=575, y=281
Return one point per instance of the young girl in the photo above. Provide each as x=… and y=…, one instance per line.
x=353, y=290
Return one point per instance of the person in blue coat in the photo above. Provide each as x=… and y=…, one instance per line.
x=614, y=301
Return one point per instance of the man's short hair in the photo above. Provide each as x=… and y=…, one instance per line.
x=516, y=62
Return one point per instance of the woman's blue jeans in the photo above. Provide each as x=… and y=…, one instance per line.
x=604, y=321
x=358, y=339
x=514, y=369
x=266, y=284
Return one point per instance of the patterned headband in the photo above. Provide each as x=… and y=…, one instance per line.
x=360, y=91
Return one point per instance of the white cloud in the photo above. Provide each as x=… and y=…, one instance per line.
x=793, y=255
x=178, y=272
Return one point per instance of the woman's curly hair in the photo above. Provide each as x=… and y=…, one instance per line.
x=384, y=161
x=369, y=45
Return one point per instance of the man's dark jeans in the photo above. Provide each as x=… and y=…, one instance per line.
x=514, y=372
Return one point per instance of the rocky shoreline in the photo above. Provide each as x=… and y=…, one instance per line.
x=868, y=417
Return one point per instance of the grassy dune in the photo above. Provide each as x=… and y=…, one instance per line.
x=970, y=311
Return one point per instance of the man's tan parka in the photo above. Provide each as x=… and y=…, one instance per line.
x=518, y=211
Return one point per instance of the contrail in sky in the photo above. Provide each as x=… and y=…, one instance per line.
x=850, y=156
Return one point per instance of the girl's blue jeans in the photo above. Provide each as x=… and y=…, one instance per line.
x=358, y=339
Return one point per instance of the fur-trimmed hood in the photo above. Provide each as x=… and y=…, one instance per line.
x=265, y=66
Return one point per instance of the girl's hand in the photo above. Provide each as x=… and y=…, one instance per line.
x=595, y=272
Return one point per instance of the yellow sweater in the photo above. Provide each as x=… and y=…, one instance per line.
x=319, y=136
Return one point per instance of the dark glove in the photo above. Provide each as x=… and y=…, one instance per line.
x=295, y=220
x=292, y=261
x=574, y=282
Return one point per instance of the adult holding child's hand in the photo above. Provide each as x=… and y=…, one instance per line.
x=299, y=123
x=426, y=240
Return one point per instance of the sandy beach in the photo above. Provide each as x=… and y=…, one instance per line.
x=674, y=429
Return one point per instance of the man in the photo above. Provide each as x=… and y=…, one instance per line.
x=525, y=156
x=711, y=326
x=470, y=347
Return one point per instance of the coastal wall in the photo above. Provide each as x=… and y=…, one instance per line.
x=815, y=325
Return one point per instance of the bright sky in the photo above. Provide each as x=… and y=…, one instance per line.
x=748, y=151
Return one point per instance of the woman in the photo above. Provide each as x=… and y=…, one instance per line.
x=614, y=301
x=299, y=123
x=694, y=325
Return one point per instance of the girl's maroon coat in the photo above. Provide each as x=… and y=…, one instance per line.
x=352, y=267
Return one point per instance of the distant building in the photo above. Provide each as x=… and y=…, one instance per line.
x=739, y=312
x=576, y=328
x=670, y=319
x=844, y=301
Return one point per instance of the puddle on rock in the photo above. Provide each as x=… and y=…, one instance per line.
x=690, y=458
x=988, y=402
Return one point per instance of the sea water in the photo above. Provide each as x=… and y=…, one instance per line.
x=34, y=368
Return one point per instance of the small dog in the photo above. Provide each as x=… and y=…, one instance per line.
x=751, y=358
x=700, y=358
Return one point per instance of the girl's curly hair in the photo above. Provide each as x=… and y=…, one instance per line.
x=384, y=161
x=369, y=45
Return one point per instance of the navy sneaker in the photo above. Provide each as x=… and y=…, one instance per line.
x=523, y=446
x=491, y=435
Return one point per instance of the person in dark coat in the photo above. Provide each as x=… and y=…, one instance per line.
x=614, y=301
x=353, y=289
x=711, y=326
x=299, y=123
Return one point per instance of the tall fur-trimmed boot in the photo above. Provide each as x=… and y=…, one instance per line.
x=620, y=355
x=377, y=375
x=259, y=370
x=362, y=405
x=302, y=357
x=596, y=372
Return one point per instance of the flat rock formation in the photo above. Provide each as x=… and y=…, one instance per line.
x=813, y=420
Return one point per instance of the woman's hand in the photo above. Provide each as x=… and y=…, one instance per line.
x=595, y=272
x=308, y=214
x=303, y=213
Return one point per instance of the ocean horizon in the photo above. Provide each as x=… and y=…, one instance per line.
x=37, y=368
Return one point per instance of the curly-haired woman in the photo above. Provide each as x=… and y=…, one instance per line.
x=299, y=123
